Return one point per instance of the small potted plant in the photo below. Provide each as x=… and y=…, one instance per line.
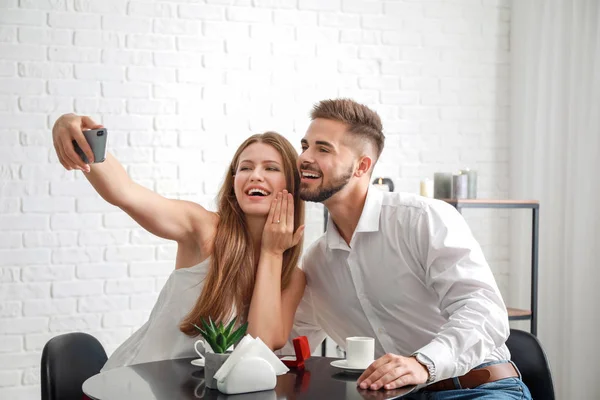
x=220, y=339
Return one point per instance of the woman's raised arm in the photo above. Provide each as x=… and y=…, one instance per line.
x=178, y=220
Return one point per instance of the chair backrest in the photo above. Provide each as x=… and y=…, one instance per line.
x=528, y=355
x=67, y=361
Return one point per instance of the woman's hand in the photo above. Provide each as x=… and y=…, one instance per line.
x=69, y=128
x=279, y=235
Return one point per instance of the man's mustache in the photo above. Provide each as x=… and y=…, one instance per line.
x=310, y=167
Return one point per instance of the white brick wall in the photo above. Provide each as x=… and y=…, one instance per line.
x=180, y=84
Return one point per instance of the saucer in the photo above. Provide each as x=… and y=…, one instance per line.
x=343, y=365
x=198, y=362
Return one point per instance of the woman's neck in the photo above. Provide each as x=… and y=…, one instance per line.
x=256, y=225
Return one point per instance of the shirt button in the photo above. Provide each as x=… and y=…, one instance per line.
x=381, y=330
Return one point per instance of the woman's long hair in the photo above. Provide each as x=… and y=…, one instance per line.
x=230, y=280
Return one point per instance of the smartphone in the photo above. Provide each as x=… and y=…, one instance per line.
x=96, y=138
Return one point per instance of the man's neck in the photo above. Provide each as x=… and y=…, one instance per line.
x=346, y=207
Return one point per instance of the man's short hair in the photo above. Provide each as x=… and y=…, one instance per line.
x=362, y=122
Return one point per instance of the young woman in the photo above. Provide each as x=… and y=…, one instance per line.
x=240, y=261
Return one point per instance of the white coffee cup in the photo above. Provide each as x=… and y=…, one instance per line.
x=203, y=346
x=360, y=351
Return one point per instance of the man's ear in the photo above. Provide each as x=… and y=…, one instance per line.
x=364, y=165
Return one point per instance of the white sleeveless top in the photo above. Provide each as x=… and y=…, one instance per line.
x=160, y=338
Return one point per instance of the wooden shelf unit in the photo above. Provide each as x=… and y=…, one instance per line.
x=517, y=314
x=514, y=314
x=492, y=203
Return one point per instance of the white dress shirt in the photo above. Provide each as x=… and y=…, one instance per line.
x=414, y=278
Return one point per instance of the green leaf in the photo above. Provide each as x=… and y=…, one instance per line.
x=204, y=334
x=230, y=327
x=212, y=325
x=218, y=349
x=238, y=334
x=202, y=331
x=210, y=332
x=222, y=341
x=205, y=325
x=213, y=344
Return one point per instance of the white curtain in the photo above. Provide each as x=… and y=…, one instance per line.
x=555, y=146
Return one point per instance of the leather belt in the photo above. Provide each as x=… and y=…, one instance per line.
x=477, y=377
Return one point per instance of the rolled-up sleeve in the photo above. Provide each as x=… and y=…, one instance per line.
x=468, y=296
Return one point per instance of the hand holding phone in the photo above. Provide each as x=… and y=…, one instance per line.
x=96, y=139
x=70, y=128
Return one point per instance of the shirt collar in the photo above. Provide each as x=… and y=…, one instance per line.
x=368, y=221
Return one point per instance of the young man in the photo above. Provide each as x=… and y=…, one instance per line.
x=401, y=268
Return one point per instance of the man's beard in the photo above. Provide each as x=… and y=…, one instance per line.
x=322, y=193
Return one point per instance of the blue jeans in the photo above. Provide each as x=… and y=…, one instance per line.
x=504, y=389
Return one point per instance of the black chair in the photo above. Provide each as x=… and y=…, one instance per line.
x=67, y=361
x=527, y=353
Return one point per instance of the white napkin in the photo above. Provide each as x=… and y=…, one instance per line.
x=250, y=347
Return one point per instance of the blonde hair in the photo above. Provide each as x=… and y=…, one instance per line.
x=363, y=123
x=230, y=280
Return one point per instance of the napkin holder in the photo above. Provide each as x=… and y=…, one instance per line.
x=302, y=350
x=251, y=367
x=251, y=374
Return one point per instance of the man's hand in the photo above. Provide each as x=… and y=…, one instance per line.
x=392, y=371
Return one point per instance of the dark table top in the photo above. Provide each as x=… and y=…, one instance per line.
x=179, y=379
